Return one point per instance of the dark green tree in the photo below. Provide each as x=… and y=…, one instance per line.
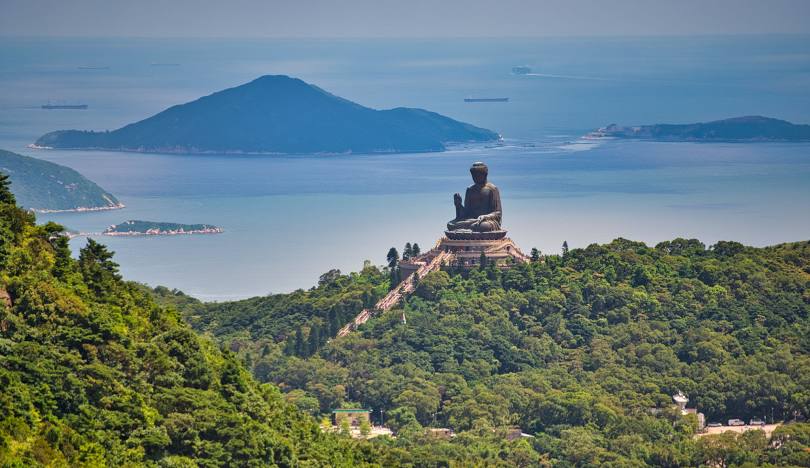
x=727, y=248
x=99, y=271
x=396, y=277
x=393, y=261
x=482, y=261
x=300, y=347
x=565, y=248
x=314, y=339
x=407, y=252
x=6, y=196
x=415, y=250
x=329, y=277
x=289, y=345
x=334, y=322
x=392, y=257
x=640, y=276
x=535, y=255
x=63, y=263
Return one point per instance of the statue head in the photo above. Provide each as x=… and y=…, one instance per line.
x=479, y=173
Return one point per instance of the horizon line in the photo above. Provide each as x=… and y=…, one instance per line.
x=417, y=38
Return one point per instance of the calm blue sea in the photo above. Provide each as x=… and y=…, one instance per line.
x=288, y=219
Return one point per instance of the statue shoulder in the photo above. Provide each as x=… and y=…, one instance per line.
x=491, y=186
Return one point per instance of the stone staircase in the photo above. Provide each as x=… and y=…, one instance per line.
x=395, y=295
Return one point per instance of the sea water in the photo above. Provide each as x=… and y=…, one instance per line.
x=289, y=218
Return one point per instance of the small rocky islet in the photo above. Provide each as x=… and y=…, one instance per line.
x=154, y=228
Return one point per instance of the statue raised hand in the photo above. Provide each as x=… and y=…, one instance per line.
x=459, y=206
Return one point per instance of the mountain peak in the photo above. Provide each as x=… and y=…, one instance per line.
x=276, y=80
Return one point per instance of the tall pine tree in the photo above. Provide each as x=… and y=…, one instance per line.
x=5, y=190
x=392, y=257
x=99, y=271
x=300, y=347
x=314, y=339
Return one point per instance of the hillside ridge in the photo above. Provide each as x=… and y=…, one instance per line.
x=45, y=187
x=750, y=128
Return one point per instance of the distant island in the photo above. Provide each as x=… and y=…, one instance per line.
x=277, y=114
x=153, y=228
x=47, y=187
x=738, y=129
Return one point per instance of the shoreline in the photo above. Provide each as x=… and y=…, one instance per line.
x=81, y=209
x=157, y=232
x=149, y=233
x=446, y=145
x=597, y=136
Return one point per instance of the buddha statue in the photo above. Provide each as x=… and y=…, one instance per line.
x=481, y=210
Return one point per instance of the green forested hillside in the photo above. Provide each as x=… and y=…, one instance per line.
x=94, y=373
x=45, y=186
x=258, y=321
x=575, y=350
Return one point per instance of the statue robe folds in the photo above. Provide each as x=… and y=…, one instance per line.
x=481, y=211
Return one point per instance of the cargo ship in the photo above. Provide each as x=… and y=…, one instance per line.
x=494, y=99
x=64, y=106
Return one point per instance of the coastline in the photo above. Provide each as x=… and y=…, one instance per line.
x=81, y=209
x=599, y=136
x=151, y=232
x=158, y=232
x=446, y=146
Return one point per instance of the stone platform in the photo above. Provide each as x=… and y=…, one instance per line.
x=466, y=253
x=466, y=234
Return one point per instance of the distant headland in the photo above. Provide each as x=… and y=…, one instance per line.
x=738, y=129
x=277, y=114
x=47, y=187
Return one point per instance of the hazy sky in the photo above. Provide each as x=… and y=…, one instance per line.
x=399, y=18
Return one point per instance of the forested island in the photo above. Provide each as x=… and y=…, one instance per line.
x=48, y=187
x=738, y=129
x=569, y=360
x=153, y=228
x=277, y=114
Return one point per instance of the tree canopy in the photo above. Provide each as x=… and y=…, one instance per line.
x=582, y=351
x=93, y=372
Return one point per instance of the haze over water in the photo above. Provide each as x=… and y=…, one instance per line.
x=288, y=219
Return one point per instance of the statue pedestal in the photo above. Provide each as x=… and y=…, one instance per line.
x=466, y=250
x=466, y=234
